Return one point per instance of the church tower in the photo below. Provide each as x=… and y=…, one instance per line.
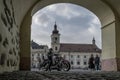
x=93, y=41
x=55, y=39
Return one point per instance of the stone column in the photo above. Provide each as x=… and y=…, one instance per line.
x=108, y=48
x=111, y=46
x=25, y=50
x=117, y=32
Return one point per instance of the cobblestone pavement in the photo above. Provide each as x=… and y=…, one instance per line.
x=55, y=75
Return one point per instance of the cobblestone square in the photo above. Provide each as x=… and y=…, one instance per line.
x=55, y=75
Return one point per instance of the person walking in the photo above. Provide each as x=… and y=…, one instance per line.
x=91, y=62
x=97, y=62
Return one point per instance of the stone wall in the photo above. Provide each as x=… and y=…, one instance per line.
x=9, y=37
x=12, y=15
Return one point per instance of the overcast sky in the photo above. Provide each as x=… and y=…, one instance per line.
x=75, y=24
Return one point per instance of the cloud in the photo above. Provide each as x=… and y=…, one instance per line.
x=42, y=37
x=63, y=10
x=42, y=19
x=92, y=29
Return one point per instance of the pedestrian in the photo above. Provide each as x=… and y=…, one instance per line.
x=97, y=62
x=91, y=62
x=50, y=58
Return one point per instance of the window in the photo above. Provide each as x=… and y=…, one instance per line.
x=55, y=48
x=56, y=38
x=85, y=63
x=78, y=63
x=71, y=56
x=45, y=50
x=78, y=56
x=38, y=54
x=42, y=47
x=72, y=62
x=85, y=56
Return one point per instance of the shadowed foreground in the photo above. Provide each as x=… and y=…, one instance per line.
x=54, y=75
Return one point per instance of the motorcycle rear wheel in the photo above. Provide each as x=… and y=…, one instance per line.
x=65, y=66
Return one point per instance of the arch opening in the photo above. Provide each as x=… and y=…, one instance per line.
x=76, y=25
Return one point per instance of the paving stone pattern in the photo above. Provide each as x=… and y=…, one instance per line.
x=54, y=75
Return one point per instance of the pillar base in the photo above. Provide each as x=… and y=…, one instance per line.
x=111, y=64
x=25, y=63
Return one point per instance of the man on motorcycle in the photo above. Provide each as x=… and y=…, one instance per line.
x=55, y=61
x=50, y=58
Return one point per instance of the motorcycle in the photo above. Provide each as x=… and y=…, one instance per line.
x=59, y=64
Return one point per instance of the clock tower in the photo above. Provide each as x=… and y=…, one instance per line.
x=55, y=39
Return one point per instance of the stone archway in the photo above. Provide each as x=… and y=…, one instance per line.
x=102, y=11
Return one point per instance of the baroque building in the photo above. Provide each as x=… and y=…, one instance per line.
x=77, y=54
x=37, y=53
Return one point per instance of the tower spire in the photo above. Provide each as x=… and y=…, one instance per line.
x=55, y=31
x=93, y=41
x=55, y=26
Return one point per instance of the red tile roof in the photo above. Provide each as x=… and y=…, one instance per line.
x=65, y=47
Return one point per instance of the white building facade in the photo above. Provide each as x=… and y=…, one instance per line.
x=78, y=59
x=77, y=54
x=38, y=52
